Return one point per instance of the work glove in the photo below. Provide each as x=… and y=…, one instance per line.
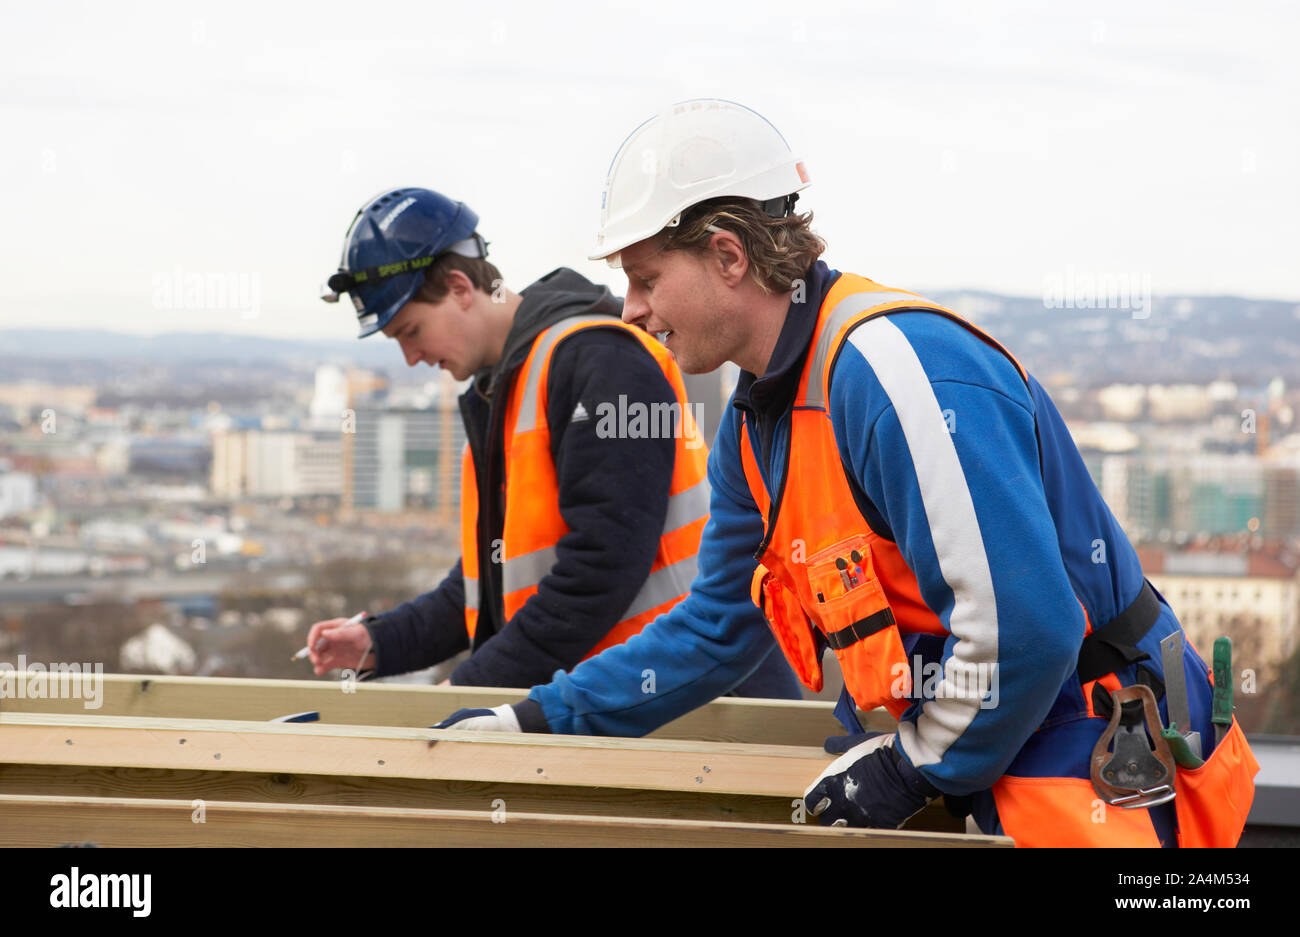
x=497, y=719
x=839, y=744
x=523, y=716
x=870, y=785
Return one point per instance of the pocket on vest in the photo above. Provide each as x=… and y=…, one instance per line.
x=1214, y=799
x=859, y=625
x=790, y=626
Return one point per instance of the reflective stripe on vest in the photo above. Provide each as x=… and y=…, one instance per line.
x=533, y=524
x=879, y=303
x=686, y=507
x=529, y=403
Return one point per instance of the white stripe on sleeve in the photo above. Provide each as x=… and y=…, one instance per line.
x=958, y=543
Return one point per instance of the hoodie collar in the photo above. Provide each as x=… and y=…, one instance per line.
x=776, y=388
x=558, y=295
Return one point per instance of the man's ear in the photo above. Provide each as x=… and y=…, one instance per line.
x=728, y=254
x=460, y=286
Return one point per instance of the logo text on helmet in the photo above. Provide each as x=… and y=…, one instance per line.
x=401, y=207
x=383, y=271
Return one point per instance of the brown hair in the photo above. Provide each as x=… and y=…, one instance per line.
x=780, y=250
x=483, y=275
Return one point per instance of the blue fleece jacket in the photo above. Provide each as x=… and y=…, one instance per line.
x=937, y=430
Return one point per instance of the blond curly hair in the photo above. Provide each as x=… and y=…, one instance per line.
x=780, y=250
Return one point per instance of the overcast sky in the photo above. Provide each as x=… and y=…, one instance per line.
x=989, y=145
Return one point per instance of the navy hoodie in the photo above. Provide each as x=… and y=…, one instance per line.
x=613, y=497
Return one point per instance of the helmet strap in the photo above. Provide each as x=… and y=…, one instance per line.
x=344, y=282
x=781, y=206
x=473, y=246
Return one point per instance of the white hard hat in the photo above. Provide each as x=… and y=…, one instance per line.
x=693, y=151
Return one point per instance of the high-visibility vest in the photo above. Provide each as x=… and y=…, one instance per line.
x=822, y=567
x=533, y=524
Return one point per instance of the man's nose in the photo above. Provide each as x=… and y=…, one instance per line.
x=411, y=354
x=635, y=308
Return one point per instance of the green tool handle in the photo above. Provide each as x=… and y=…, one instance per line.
x=1179, y=748
x=1222, y=682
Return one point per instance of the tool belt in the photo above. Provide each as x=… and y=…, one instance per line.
x=1139, y=763
x=1113, y=647
x=1134, y=765
x=1137, y=773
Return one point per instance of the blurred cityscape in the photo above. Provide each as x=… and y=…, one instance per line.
x=192, y=503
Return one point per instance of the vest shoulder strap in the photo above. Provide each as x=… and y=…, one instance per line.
x=859, y=300
x=529, y=416
x=867, y=300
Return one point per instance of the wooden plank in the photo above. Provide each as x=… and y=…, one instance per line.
x=50, y=821
x=772, y=722
x=388, y=751
x=343, y=764
x=81, y=781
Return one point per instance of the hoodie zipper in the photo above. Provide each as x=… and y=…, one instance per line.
x=764, y=456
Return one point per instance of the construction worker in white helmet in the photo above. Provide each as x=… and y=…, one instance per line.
x=916, y=504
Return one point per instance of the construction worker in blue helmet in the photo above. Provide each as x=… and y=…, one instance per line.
x=916, y=505
x=575, y=533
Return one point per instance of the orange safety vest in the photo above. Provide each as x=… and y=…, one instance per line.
x=820, y=564
x=822, y=567
x=533, y=524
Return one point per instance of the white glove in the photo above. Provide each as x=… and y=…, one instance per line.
x=497, y=719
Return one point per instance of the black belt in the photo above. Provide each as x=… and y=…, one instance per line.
x=1113, y=646
x=865, y=628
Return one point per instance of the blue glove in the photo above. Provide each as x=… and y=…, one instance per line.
x=839, y=744
x=497, y=719
x=870, y=785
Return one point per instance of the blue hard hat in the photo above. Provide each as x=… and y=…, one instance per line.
x=393, y=239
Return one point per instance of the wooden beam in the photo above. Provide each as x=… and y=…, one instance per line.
x=770, y=722
x=79, y=781
x=388, y=751
x=71, y=781
x=106, y=755
x=50, y=821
